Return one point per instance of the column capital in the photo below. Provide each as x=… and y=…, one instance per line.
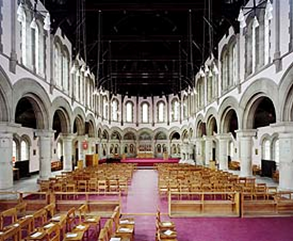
x=283, y=127
x=224, y=136
x=246, y=133
x=44, y=133
x=208, y=138
x=8, y=127
x=68, y=136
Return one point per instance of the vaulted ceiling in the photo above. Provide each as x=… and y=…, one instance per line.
x=144, y=47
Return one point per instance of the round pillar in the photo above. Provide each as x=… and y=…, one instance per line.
x=223, y=150
x=45, y=145
x=67, y=145
x=245, y=138
x=6, y=168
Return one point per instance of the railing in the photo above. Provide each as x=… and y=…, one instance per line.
x=194, y=204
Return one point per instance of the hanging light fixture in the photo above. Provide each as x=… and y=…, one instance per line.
x=47, y=22
x=268, y=13
x=87, y=73
x=215, y=69
x=20, y=12
x=33, y=24
x=201, y=72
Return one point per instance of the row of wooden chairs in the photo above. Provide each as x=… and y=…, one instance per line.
x=165, y=230
x=117, y=227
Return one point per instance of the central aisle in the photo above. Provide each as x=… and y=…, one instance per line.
x=142, y=201
x=142, y=194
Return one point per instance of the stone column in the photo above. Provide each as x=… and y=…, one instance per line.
x=80, y=149
x=223, y=150
x=199, y=154
x=45, y=145
x=208, y=149
x=67, y=145
x=285, y=131
x=6, y=169
x=13, y=55
x=245, y=139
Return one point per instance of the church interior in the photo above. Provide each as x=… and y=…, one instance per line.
x=146, y=120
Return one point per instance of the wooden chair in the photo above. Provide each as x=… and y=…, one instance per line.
x=163, y=225
x=11, y=234
x=86, y=218
x=92, y=185
x=102, y=186
x=82, y=185
x=113, y=185
x=53, y=233
x=70, y=219
x=40, y=218
x=103, y=235
x=21, y=209
x=50, y=208
x=8, y=217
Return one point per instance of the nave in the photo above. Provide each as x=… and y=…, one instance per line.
x=143, y=199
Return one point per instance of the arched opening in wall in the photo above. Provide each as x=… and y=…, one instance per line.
x=99, y=133
x=15, y=150
x=90, y=129
x=130, y=147
x=60, y=149
x=57, y=123
x=231, y=122
x=116, y=136
x=160, y=140
x=201, y=129
x=25, y=148
x=264, y=113
x=25, y=113
x=76, y=150
x=3, y=108
x=175, y=144
x=78, y=126
x=212, y=126
x=105, y=135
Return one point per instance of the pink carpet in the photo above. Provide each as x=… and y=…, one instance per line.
x=143, y=198
x=149, y=161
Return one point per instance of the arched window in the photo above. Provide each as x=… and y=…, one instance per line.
x=200, y=93
x=23, y=33
x=115, y=110
x=175, y=110
x=255, y=39
x=266, y=150
x=24, y=150
x=248, y=49
x=161, y=111
x=129, y=112
x=185, y=107
x=14, y=151
x=145, y=112
x=65, y=68
x=105, y=107
x=36, y=48
x=276, y=151
x=77, y=84
x=225, y=69
x=210, y=84
x=233, y=65
x=267, y=27
x=59, y=149
x=57, y=64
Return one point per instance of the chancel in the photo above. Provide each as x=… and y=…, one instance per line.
x=146, y=120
